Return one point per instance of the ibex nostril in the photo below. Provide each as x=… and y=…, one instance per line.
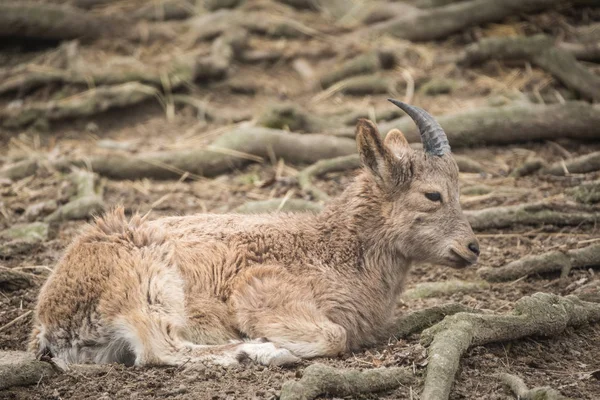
x=474, y=247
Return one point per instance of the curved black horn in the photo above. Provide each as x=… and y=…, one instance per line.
x=432, y=135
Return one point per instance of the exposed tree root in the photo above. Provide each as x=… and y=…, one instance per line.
x=554, y=261
x=364, y=64
x=530, y=166
x=362, y=85
x=22, y=238
x=231, y=150
x=14, y=280
x=274, y=205
x=319, y=379
x=51, y=22
x=19, y=368
x=578, y=165
x=323, y=167
x=166, y=10
x=87, y=200
x=435, y=289
x=417, y=321
x=518, y=387
x=587, y=193
x=290, y=116
x=541, y=51
x=511, y=124
x=527, y=214
x=437, y=23
x=541, y=314
x=20, y=169
x=183, y=70
x=84, y=104
x=210, y=113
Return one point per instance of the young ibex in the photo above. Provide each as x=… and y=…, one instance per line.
x=272, y=288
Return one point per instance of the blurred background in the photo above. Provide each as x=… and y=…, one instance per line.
x=186, y=106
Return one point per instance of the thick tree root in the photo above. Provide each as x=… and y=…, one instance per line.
x=417, y=321
x=587, y=193
x=18, y=368
x=434, y=289
x=518, y=387
x=530, y=166
x=578, y=165
x=442, y=21
x=323, y=167
x=554, y=261
x=19, y=170
x=365, y=64
x=527, y=214
x=275, y=205
x=185, y=69
x=540, y=51
x=51, y=22
x=86, y=202
x=22, y=238
x=510, y=124
x=290, y=116
x=166, y=10
x=319, y=379
x=85, y=104
x=14, y=280
x=231, y=150
x=541, y=314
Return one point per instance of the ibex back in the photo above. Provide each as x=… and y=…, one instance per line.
x=271, y=288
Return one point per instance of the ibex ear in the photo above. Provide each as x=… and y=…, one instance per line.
x=374, y=154
x=396, y=142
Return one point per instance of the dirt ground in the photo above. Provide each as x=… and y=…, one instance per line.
x=568, y=362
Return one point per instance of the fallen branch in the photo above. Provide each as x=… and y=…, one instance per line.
x=541, y=314
x=321, y=168
x=417, y=321
x=518, y=387
x=22, y=238
x=319, y=379
x=434, y=289
x=276, y=205
x=86, y=202
x=19, y=368
x=541, y=51
x=578, y=165
x=554, y=261
x=527, y=214
x=84, y=104
x=440, y=22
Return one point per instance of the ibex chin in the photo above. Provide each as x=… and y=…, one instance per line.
x=270, y=288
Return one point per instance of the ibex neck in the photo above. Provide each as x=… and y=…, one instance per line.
x=356, y=217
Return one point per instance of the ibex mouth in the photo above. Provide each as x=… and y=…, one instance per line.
x=459, y=259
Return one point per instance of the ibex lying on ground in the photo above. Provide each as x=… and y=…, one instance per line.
x=272, y=288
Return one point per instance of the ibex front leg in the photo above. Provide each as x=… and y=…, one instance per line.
x=271, y=303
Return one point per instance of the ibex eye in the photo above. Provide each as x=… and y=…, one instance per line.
x=434, y=196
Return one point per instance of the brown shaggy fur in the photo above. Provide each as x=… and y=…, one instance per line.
x=192, y=288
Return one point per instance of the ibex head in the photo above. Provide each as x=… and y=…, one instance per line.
x=419, y=192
